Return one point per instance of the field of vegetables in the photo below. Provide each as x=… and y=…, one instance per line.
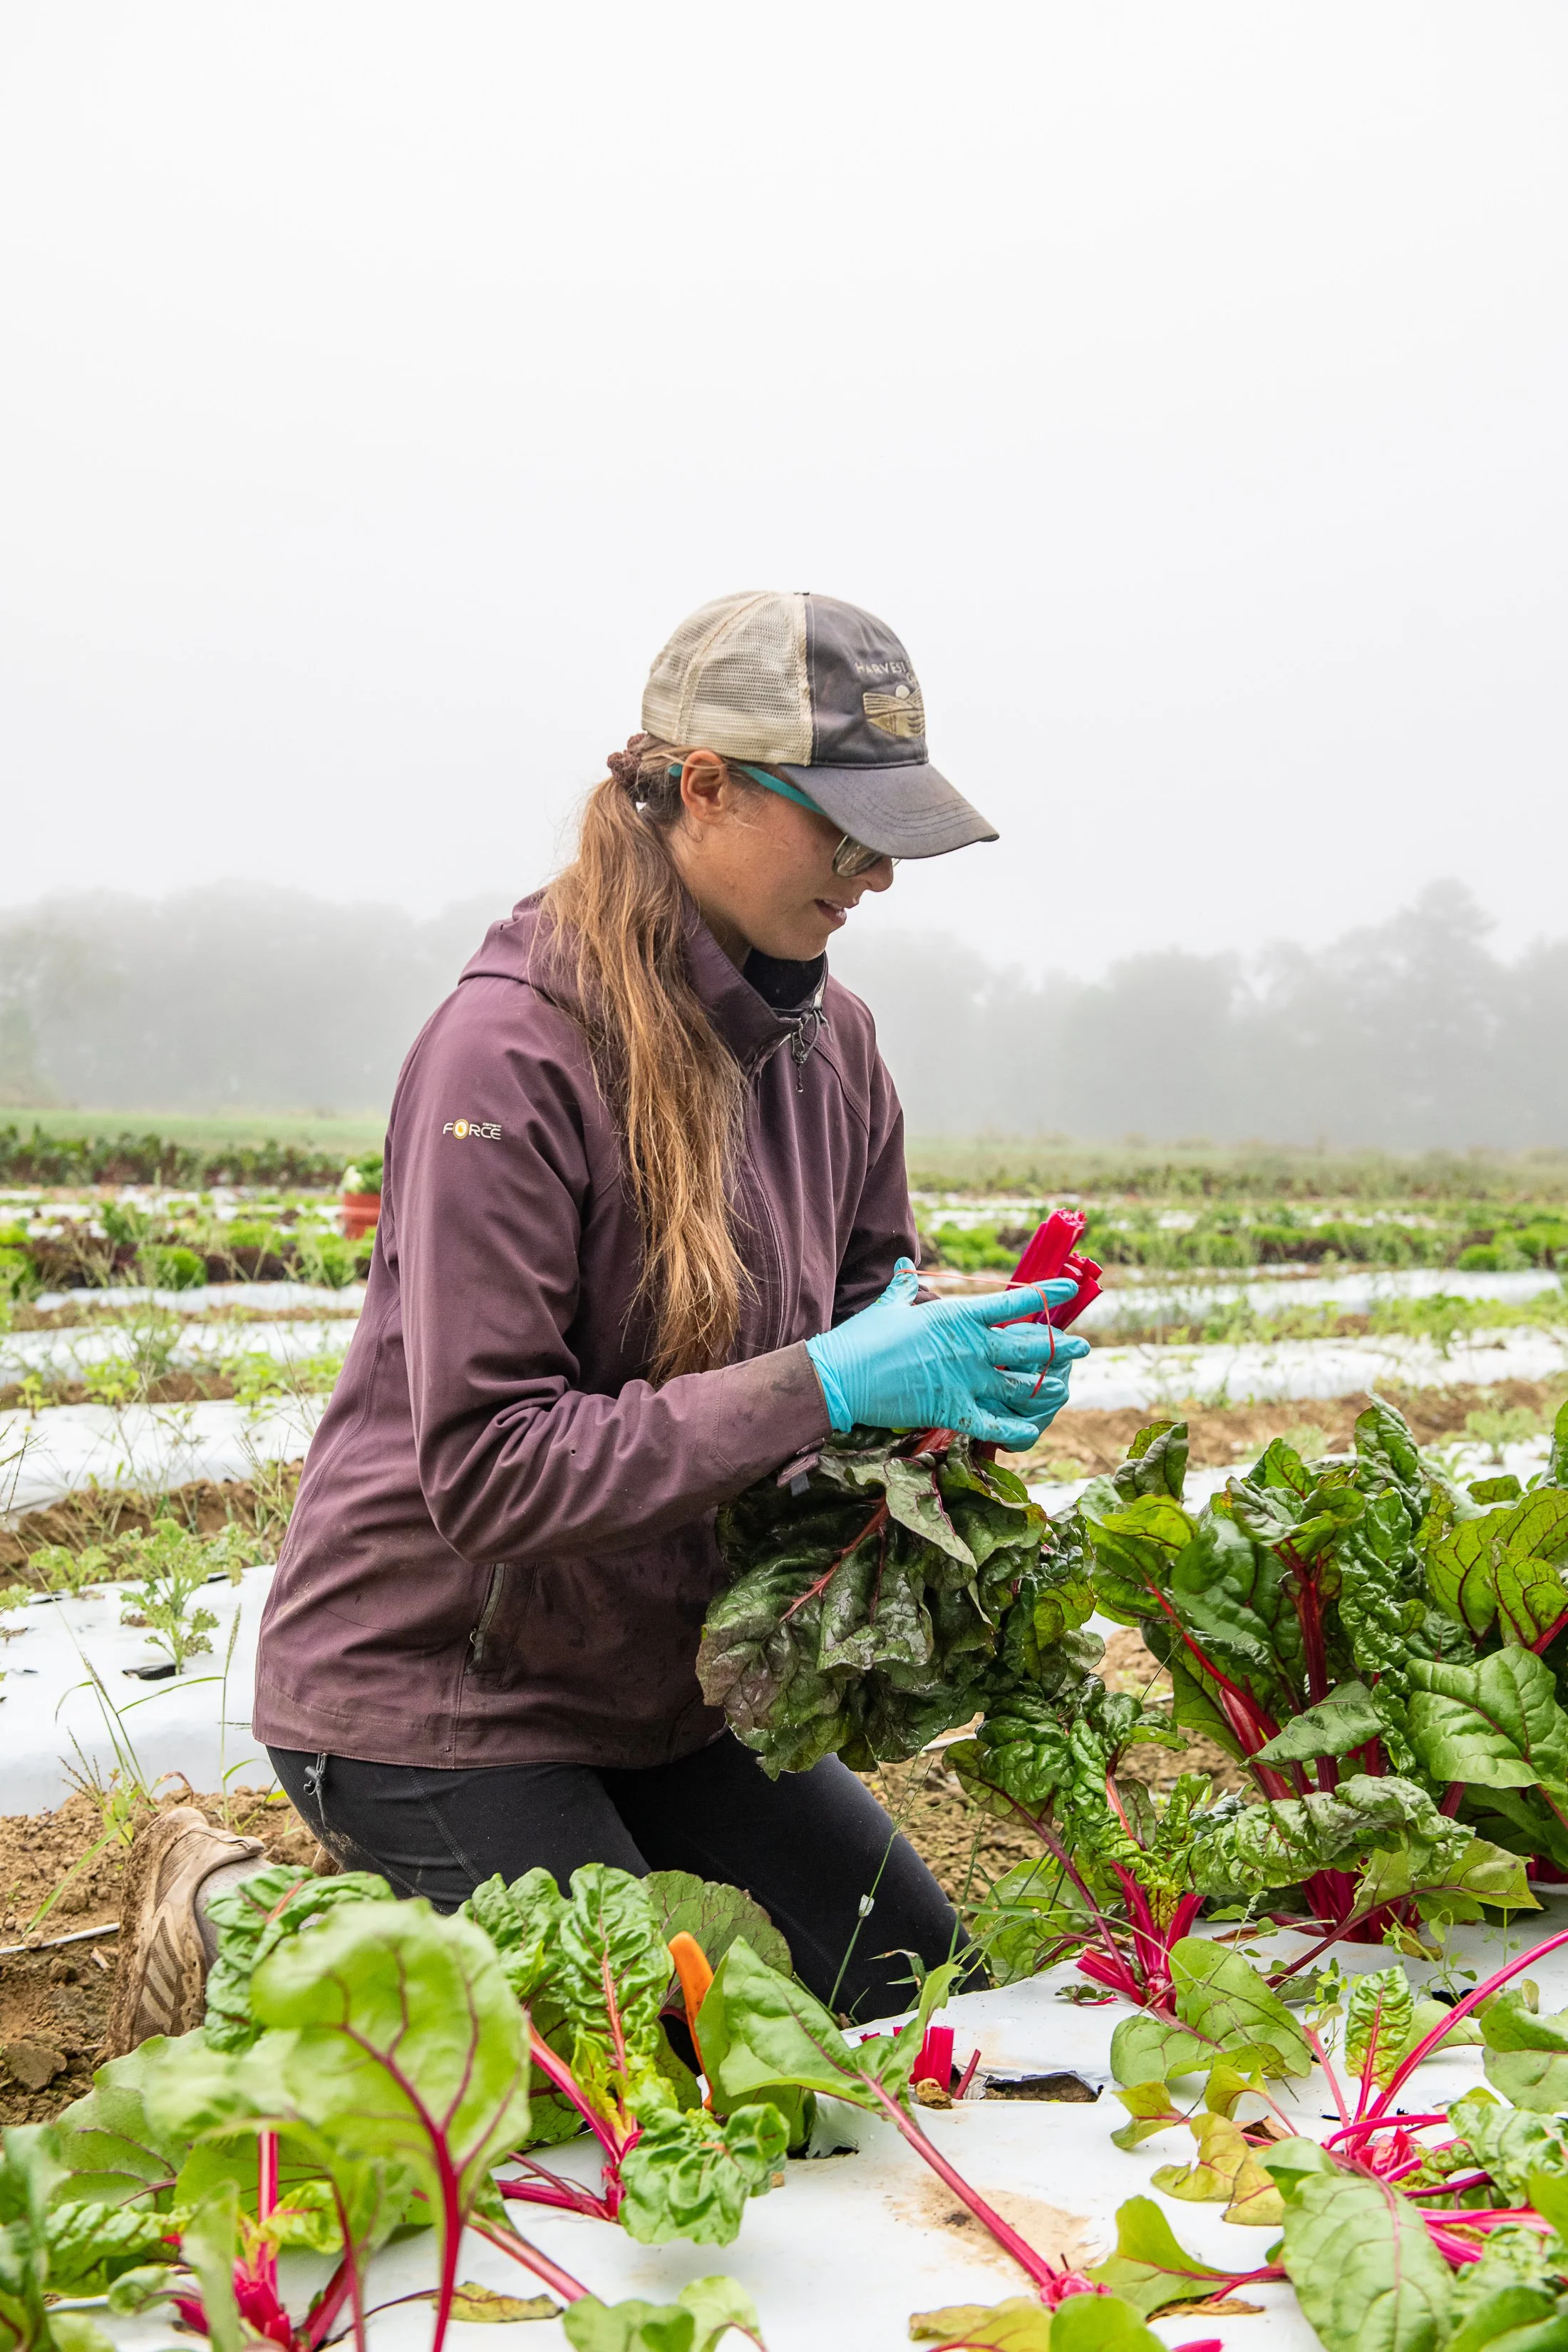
x=1234, y=1719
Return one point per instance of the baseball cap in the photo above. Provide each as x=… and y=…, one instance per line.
x=824, y=692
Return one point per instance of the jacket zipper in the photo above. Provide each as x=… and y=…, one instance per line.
x=493, y=1603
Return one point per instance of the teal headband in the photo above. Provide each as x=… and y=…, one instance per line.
x=771, y=783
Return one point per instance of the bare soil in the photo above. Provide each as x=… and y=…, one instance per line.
x=91, y=1517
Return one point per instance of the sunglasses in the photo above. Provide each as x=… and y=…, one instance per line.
x=851, y=858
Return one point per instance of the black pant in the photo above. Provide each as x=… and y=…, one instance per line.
x=849, y=1894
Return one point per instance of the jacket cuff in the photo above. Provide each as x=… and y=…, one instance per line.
x=771, y=1408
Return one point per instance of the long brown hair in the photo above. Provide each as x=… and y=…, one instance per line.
x=618, y=915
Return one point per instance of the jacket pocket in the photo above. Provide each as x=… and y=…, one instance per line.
x=480, y=1641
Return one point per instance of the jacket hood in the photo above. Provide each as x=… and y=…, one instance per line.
x=753, y=1017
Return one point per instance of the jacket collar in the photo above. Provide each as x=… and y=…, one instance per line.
x=749, y=1024
x=753, y=1031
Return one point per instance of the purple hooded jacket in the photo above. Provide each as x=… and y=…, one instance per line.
x=503, y=1546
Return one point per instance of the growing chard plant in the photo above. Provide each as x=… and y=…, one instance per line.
x=1403, y=2228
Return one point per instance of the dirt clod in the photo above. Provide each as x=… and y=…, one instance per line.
x=33, y=2064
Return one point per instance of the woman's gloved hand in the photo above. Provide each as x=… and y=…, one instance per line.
x=947, y=1366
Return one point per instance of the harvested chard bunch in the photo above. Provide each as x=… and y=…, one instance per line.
x=886, y=1586
x=881, y=1588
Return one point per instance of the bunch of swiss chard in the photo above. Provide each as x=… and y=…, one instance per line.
x=885, y=1586
x=1379, y=1647
x=886, y=1589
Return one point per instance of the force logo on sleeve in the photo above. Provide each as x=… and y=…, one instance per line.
x=486, y=1129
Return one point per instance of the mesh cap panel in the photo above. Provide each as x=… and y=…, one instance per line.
x=733, y=677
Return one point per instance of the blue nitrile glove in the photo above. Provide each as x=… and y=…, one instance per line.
x=946, y=1366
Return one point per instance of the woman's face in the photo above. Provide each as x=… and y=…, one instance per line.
x=761, y=868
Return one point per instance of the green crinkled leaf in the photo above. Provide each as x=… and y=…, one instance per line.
x=689, y=2175
x=1156, y=1461
x=397, y=2018
x=1450, y=1876
x=1509, y=2143
x=90, y=2244
x=1223, y=2008
x=1347, y=1718
x=522, y=1921
x=1284, y=1841
x=1496, y=1723
x=1149, y=2268
x=252, y=1919
x=929, y=1569
x=696, y=2321
x=1503, y=1561
x=714, y=1915
x=1365, y=2273
x=1380, y=2010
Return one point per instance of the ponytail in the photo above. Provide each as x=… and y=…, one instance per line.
x=617, y=917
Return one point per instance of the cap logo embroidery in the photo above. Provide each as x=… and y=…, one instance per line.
x=901, y=713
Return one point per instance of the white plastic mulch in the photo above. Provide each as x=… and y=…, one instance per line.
x=262, y=1297
x=71, y=1350
x=56, y=1718
x=151, y=1448
x=1142, y=1377
x=1356, y=1292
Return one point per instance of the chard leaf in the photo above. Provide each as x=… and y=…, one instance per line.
x=714, y=1915
x=1287, y=1839
x=252, y=1919
x=1380, y=2010
x=699, y=2316
x=1557, y=1459
x=482, y=2306
x=1504, y=1561
x=89, y=2245
x=1150, y=2269
x=1496, y=1723
x=108, y=2142
x=931, y=1571
x=1451, y=1877
x=1152, y=2110
x=1136, y=1545
x=30, y=2172
x=1509, y=2143
x=609, y=1931
x=1347, y=1718
x=209, y=2243
x=522, y=1921
x=689, y=2175
x=1084, y=2322
x=1021, y=2324
x=1223, y=2009
x=1527, y=2056
x=405, y=2044
x=1225, y=2171
x=761, y=2032
x=1366, y=2274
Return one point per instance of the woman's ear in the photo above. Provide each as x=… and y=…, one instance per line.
x=703, y=781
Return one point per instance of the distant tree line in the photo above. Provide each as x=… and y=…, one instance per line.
x=1410, y=1035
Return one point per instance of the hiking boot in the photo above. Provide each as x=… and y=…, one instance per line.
x=161, y=1972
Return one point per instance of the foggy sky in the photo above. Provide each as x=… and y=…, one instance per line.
x=1184, y=385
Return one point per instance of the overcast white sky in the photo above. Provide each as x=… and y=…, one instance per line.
x=1185, y=384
